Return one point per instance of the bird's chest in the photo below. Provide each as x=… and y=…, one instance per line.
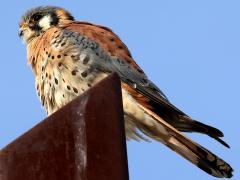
x=63, y=72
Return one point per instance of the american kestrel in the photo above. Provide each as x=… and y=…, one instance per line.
x=68, y=57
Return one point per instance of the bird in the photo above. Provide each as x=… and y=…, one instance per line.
x=68, y=57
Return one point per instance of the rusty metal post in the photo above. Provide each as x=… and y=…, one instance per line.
x=85, y=140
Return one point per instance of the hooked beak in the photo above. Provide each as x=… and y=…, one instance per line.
x=22, y=30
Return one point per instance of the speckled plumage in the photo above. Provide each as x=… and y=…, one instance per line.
x=64, y=69
x=69, y=57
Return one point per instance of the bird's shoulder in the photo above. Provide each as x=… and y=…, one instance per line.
x=110, y=42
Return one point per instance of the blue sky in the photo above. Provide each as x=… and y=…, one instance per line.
x=190, y=49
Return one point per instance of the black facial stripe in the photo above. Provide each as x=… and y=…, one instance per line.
x=55, y=19
x=37, y=16
x=35, y=27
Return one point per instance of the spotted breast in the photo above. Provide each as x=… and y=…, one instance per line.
x=66, y=67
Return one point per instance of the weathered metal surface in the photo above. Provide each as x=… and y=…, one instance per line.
x=84, y=140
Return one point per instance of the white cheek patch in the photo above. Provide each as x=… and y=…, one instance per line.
x=45, y=22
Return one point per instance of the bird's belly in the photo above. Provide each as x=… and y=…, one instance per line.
x=74, y=88
x=132, y=109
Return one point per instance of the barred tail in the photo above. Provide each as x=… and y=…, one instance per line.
x=196, y=154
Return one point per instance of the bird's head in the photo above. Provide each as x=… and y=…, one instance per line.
x=38, y=20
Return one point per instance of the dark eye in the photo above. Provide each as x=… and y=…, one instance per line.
x=36, y=17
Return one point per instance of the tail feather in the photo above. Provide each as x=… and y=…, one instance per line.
x=184, y=146
x=221, y=141
x=178, y=119
x=155, y=100
x=189, y=125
